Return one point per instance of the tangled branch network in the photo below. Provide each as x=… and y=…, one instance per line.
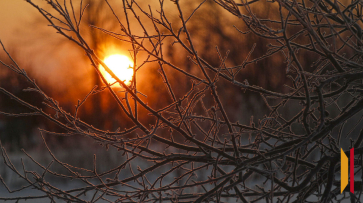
x=196, y=150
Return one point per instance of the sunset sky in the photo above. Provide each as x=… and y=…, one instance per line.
x=14, y=14
x=29, y=39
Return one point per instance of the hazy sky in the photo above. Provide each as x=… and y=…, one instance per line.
x=28, y=38
x=14, y=15
x=37, y=46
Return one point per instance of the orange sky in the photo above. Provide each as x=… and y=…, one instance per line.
x=13, y=15
x=30, y=42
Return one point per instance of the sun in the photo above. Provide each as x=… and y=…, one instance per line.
x=121, y=66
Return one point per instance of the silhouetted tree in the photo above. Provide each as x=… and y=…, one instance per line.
x=196, y=150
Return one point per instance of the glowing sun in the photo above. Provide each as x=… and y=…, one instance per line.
x=121, y=66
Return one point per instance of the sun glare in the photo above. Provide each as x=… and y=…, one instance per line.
x=120, y=66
